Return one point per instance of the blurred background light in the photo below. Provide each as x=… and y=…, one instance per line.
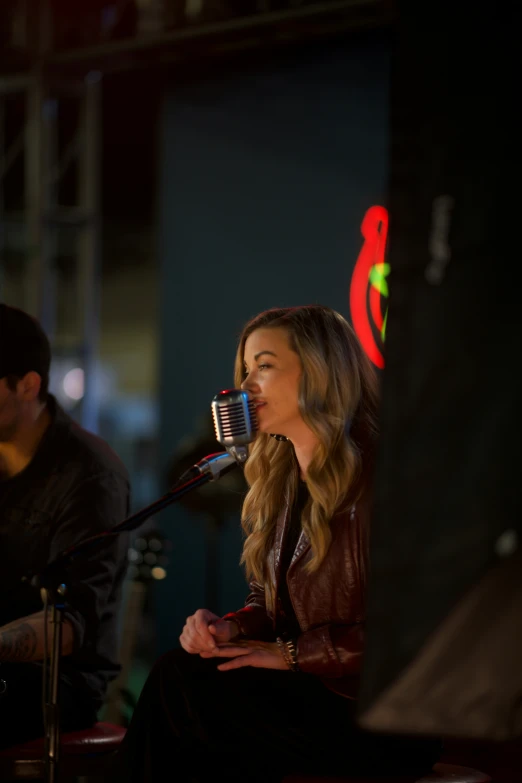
x=74, y=383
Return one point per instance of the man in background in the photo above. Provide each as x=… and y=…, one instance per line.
x=59, y=484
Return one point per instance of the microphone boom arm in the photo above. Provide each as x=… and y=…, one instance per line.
x=54, y=573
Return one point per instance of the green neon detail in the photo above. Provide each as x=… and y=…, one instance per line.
x=378, y=275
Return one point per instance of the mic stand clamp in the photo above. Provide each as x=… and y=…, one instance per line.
x=240, y=453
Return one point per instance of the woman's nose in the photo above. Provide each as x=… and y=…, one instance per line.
x=248, y=383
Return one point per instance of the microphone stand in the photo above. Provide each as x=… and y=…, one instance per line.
x=52, y=582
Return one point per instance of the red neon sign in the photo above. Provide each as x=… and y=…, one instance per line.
x=369, y=286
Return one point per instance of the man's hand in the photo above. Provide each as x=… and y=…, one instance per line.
x=204, y=631
x=260, y=655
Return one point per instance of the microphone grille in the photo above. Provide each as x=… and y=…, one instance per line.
x=235, y=420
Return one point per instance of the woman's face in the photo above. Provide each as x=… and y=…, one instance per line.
x=272, y=373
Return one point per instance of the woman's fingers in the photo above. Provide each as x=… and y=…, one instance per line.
x=231, y=651
x=187, y=640
x=235, y=663
x=222, y=630
x=195, y=637
x=201, y=623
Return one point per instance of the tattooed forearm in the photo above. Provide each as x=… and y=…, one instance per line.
x=23, y=639
x=18, y=643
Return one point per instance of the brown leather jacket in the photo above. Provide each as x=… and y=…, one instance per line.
x=329, y=604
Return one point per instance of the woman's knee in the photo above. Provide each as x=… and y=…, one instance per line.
x=178, y=663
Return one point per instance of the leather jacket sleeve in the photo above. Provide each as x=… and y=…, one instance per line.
x=331, y=650
x=253, y=619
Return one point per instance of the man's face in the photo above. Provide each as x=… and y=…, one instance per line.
x=9, y=411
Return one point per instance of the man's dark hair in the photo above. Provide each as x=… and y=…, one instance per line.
x=24, y=348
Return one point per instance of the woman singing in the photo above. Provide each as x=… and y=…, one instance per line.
x=271, y=689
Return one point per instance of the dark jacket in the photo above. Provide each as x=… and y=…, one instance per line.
x=329, y=603
x=74, y=488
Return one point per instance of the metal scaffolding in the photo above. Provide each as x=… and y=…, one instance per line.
x=47, y=73
x=46, y=159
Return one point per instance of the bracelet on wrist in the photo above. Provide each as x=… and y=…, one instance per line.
x=289, y=653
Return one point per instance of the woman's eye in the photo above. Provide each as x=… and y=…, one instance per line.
x=259, y=367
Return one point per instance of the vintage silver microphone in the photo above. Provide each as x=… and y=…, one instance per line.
x=235, y=424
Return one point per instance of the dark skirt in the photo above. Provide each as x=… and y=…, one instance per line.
x=195, y=723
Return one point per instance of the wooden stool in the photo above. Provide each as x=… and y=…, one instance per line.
x=441, y=773
x=82, y=753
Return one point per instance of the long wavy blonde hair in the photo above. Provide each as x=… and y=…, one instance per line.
x=338, y=400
